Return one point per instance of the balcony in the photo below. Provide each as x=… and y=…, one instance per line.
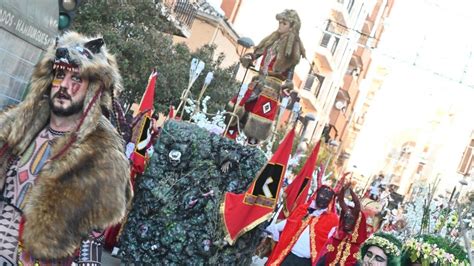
x=361, y=58
x=325, y=52
x=180, y=14
x=340, y=12
x=344, y=100
x=329, y=133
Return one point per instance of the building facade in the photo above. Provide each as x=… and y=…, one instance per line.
x=26, y=30
x=331, y=90
x=211, y=27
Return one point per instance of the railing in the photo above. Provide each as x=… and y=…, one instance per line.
x=183, y=10
x=185, y=13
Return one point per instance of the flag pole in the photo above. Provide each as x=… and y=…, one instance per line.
x=236, y=102
x=194, y=71
x=246, y=43
x=184, y=98
x=207, y=81
x=277, y=213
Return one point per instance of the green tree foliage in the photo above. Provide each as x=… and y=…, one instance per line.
x=136, y=33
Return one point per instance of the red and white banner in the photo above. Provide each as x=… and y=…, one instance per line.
x=242, y=212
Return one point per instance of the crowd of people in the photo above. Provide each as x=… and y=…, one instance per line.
x=335, y=228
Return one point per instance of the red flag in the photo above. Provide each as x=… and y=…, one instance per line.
x=242, y=212
x=171, y=112
x=148, y=97
x=143, y=130
x=297, y=192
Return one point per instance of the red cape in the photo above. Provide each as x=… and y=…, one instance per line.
x=295, y=225
x=342, y=247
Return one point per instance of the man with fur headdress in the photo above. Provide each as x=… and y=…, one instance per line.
x=280, y=52
x=63, y=169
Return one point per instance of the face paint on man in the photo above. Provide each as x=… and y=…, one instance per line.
x=56, y=82
x=68, y=91
x=324, y=197
x=348, y=221
x=71, y=78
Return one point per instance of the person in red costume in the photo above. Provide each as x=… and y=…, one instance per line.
x=343, y=246
x=305, y=231
x=280, y=52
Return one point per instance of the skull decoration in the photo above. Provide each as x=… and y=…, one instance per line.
x=174, y=157
x=143, y=230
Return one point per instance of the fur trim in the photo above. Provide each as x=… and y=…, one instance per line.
x=239, y=112
x=270, y=92
x=87, y=189
x=258, y=127
x=283, y=62
x=290, y=47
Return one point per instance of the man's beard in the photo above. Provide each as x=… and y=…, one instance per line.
x=74, y=108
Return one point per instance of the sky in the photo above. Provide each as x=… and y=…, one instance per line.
x=429, y=57
x=428, y=51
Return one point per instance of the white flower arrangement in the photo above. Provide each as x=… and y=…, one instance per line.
x=429, y=253
x=413, y=217
x=387, y=246
x=452, y=221
x=215, y=124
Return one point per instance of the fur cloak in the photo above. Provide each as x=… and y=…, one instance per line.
x=290, y=47
x=85, y=184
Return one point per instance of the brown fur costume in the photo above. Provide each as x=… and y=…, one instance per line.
x=85, y=187
x=290, y=49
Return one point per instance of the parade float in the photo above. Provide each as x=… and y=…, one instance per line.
x=205, y=193
x=175, y=216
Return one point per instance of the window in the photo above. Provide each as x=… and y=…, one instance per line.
x=320, y=80
x=350, y=4
x=330, y=41
x=309, y=82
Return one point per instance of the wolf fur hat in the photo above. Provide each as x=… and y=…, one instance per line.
x=85, y=183
x=95, y=63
